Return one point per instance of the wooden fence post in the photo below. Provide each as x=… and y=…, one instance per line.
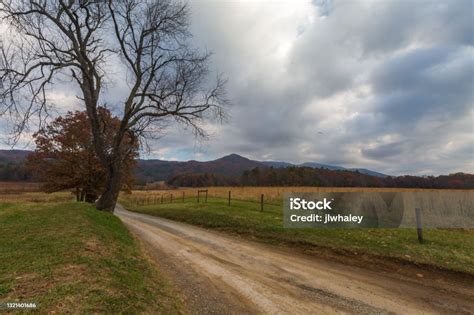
x=419, y=226
x=183, y=196
x=199, y=193
x=229, y=198
x=261, y=202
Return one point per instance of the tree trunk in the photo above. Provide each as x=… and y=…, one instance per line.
x=90, y=197
x=108, y=199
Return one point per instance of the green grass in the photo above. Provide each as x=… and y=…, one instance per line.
x=69, y=257
x=448, y=249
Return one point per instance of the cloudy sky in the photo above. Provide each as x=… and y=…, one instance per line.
x=386, y=85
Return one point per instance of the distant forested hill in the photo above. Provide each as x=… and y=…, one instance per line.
x=234, y=170
x=230, y=165
x=306, y=176
x=13, y=156
x=12, y=166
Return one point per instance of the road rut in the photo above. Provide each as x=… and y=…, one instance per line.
x=222, y=274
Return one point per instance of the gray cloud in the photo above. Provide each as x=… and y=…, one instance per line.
x=385, y=85
x=388, y=83
x=384, y=151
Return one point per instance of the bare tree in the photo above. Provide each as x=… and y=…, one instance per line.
x=78, y=39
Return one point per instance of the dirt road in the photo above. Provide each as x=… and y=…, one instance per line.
x=219, y=274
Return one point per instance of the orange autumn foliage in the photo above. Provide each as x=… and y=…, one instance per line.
x=64, y=157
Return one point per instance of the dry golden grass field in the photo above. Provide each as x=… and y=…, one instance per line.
x=36, y=197
x=271, y=194
x=14, y=187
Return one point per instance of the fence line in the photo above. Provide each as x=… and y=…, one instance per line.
x=259, y=200
x=167, y=198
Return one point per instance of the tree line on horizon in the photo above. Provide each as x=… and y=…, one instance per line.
x=64, y=159
x=76, y=167
x=321, y=177
x=291, y=176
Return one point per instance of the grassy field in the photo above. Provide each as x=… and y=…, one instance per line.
x=69, y=257
x=14, y=187
x=448, y=249
x=36, y=197
x=271, y=194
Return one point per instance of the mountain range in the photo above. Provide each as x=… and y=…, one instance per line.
x=13, y=156
x=229, y=165
x=150, y=170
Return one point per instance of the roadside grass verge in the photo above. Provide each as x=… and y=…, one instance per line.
x=70, y=258
x=446, y=249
